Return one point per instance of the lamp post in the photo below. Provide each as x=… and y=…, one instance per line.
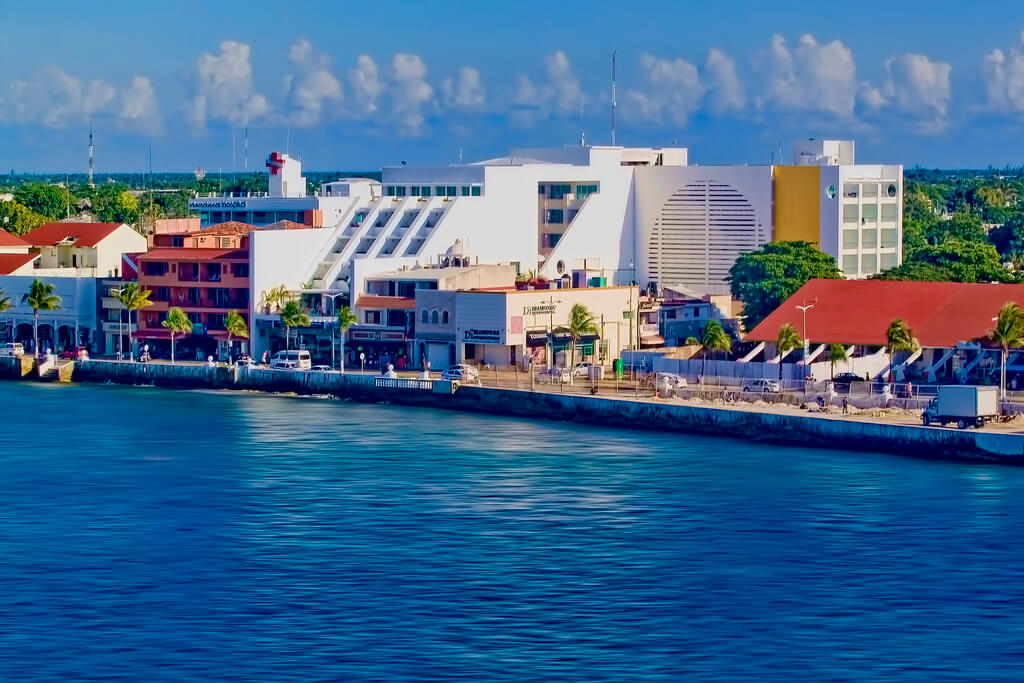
x=551, y=329
x=120, y=323
x=803, y=309
x=333, y=298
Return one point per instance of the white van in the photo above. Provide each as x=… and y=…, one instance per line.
x=291, y=360
x=12, y=350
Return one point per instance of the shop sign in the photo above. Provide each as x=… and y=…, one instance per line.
x=539, y=309
x=217, y=204
x=482, y=336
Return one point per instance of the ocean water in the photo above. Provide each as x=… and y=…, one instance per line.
x=158, y=535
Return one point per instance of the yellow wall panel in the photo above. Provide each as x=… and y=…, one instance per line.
x=797, y=203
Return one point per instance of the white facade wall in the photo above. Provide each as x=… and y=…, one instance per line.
x=78, y=303
x=869, y=220
x=124, y=240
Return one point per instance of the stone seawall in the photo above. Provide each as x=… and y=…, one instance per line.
x=802, y=430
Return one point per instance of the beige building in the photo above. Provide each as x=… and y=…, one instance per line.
x=90, y=249
x=507, y=327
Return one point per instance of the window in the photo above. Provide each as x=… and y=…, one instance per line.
x=434, y=318
x=891, y=190
x=425, y=316
x=196, y=318
x=554, y=216
x=213, y=272
x=558, y=191
x=889, y=238
x=177, y=241
x=450, y=190
x=889, y=212
x=240, y=269
x=373, y=318
x=215, y=321
x=400, y=191
x=870, y=214
x=540, y=189
x=850, y=239
x=583, y=191
x=163, y=294
x=414, y=190
x=869, y=189
x=851, y=213
x=475, y=191
x=549, y=240
x=193, y=296
x=869, y=238
x=869, y=264
x=425, y=190
x=396, y=318
x=888, y=261
x=851, y=190
x=850, y=264
x=444, y=317
x=154, y=268
x=389, y=190
x=464, y=190
x=439, y=190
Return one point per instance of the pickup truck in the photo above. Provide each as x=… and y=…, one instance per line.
x=968, y=406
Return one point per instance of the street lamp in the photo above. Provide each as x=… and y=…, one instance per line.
x=803, y=309
x=120, y=323
x=333, y=297
x=551, y=329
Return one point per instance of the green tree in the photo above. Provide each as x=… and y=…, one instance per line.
x=51, y=201
x=133, y=298
x=18, y=219
x=917, y=271
x=178, y=323
x=966, y=261
x=272, y=300
x=899, y=337
x=115, y=204
x=836, y=353
x=763, y=279
x=236, y=327
x=346, y=319
x=914, y=237
x=962, y=225
x=40, y=297
x=293, y=315
x=581, y=322
x=786, y=341
x=714, y=338
x=1008, y=238
x=1008, y=333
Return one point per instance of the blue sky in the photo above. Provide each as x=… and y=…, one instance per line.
x=360, y=85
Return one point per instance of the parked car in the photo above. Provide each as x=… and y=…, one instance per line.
x=843, y=381
x=461, y=373
x=77, y=352
x=554, y=375
x=761, y=386
x=12, y=350
x=660, y=379
x=582, y=369
x=322, y=368
x=245, y=361
x=291, y=360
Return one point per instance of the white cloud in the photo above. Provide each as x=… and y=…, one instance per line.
x=560, y=94
x=1002, y=78
x=56, y=99
x=410, y=93
x=312, y=88
x=919, y=88
x=809, y=77
x=725, y=91
x=366, y=84
x=465, y=90
x=674, y=92
x=224, y=89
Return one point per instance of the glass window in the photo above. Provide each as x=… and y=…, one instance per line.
x=554, y=216
x=869, y=238
x=558, y=191
x=889, y=212
x=373, y=317
x=583, y=191
x=850, y=264
x=850, y=239
x=450, y=190
x=851, y=213
x=444, y=317
x=389, y=190
x=424, y=316
x=439, y=190
x=425, y=191
x=434, y=317
x=889, y=238
x=540, y=189
x=415, y=190
x=888, y=261
x=868, y=264
x=240, y=269
x=869, y=189
x=177, y=241
x=400, y=191
x=890, y=190
x=851, y=189
x=870, y=213
x=475, y=191
x=464, y=190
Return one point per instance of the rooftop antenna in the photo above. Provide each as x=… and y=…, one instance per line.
x=91, y=150
x=613, y=98
x=583, y=135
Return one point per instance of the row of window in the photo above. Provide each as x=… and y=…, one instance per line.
x=869, y=263
x=869, y=213
x=851, y=190
x=426, y=190
x=212, y=321
x=250, y=217
x=190, y=272
x=434, y=317
x=869, y=239
x=560, y=190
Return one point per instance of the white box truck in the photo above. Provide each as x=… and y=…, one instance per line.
x=968, y=406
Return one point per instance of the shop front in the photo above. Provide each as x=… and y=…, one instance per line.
x=370, y=347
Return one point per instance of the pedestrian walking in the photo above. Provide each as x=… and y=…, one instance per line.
x=846, y=404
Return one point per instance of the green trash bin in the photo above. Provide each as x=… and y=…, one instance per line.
x=617, y=368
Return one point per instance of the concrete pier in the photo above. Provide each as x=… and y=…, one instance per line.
x=802, y=430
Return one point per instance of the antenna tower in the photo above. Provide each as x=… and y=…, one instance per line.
x=91, y=150
x=613, y=98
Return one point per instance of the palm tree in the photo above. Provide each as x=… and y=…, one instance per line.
x=787, y=340
x=714, y=338
x=178, y=323
x=132, y=298
x=236, y=327
x=40, y=297
x=581, y=322
x=5, y=304
x=836, y=353
x=1009, y=334
x=346, y=319
x=274, y=298
x=293, y=315
x=899, y=337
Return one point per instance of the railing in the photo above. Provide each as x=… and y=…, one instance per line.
x=403, y=383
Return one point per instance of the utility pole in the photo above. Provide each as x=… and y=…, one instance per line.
x=614, y=104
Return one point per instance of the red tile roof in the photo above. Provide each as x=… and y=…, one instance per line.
x=859, y=311
x=9, y=240
x=11, y=262
x=84, y=234
x=374, y=301
x=186, y=254
x=287, y=225
x=228, y=228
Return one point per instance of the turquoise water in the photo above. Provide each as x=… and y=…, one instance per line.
x=158, y=535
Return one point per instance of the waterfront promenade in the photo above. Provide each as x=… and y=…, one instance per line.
x=749, y=421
